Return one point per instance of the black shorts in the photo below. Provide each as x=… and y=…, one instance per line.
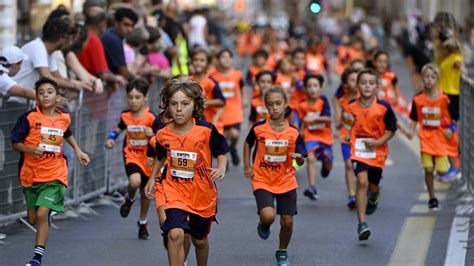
x=454, y=104
x=198, y=227
x=236, y=126
x=374, y=173
x=286, y=202
x=131, y=168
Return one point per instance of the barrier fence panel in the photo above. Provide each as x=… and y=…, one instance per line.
x=467, y=131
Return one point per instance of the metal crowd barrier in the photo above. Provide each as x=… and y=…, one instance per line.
x=93, y=116
x=467, y=132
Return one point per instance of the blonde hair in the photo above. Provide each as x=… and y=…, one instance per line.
x=432, y=67
x=190, y=89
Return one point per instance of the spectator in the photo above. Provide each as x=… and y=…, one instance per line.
x=197, y=30
x=112, y=39
x=10, y=63
x=156, y=57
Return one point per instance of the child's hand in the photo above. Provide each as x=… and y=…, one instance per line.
x=371, y=144
x=150, y=188
x=248, y=171
x=448, y=133
x=109, y=143
x=149, y=132
x=36, y=152
x=83, y=158
x=217, y=174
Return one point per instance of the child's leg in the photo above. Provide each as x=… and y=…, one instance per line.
x=187, y=245
x=361, y=194
x=234, y=137
x=134, y=181
x=429, y=181
x=144, y=205
x=286, y=230
x=350, y=178
x=311, y=161
x=175, y=247
x=267, y=216
x=161, y=214
x=202, y=251
x=31, y=215
x=42, y=225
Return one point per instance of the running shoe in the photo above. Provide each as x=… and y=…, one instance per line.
x=263, y=232
x=235, y=157
x=282, y=257
x=452, y=174
x=34, y=262
x=325, y=172
x=363, y=231
x=142, y=231
x=311, y=193
x=351, y=203
x=372, y=204
x=433, y=204
x=126, y=206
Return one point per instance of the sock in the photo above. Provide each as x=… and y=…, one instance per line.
x=39, y=252
x=143, y=222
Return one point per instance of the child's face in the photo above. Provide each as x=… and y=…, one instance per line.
x=313, y=88
x=357, y=65
x=199, y=63
x=286, y=66
x=46, y=96
x=265, y=82
x=299, y=60
x=352, y=82
x=429, y=79
x=381, y=63
x=260, y=61
x=225, y=61
x=367, y=85
x=276, y=105
x=181, y=108
x=136, y=100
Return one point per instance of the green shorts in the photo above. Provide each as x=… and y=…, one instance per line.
x=49, y=195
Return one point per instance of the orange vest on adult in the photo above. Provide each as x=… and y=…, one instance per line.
x=316, y=131
x=135, y=143
x=231, y=85
x=371, y=123
x=187, y=185
x=433, y=117
x=35, y=129
x=272, y=162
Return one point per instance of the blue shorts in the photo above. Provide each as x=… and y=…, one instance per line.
x=346, y=151
x=198, y=227
x=322, y=151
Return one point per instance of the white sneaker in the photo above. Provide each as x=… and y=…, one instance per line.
x=2, y=236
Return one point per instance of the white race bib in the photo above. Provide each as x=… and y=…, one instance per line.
x=362, y=151
x=431, y=116
x=275, y=150
x=183, y=164
x=315, y=125
x=137, y=136
x=227, y=88
x=51, y=139
x=347, y=120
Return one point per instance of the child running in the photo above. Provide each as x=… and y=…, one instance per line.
x=187, y=144
x=232, y=87
x=214, y=100
x=316, y=129
x=389, y=89
x=272, y=176
x=140, y=124
x=39, y=135
x=344, y=121
x=258, y=111
x=374, y=124
x=433, y=112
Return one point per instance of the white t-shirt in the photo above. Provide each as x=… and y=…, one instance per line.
x=197, y=26
x=58, y=57
x=6, y=83
x=37, y=57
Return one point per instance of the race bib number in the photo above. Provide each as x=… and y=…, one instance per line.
x=347, y=120
x=51, y=139
x=362, y=151
x=262, y=113
x=431, y=116
x=286, y=86
x=315, y=125
x=228, y=89
x=137, y=136
x=275, y=150
x=183, y=164
x=314, y=64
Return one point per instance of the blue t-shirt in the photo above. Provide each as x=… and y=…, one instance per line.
x=113, y=46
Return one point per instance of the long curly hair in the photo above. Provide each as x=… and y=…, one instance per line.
x=191, y=89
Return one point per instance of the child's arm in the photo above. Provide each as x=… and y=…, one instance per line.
x=150, y=185
x=215, y=102
x=218, y=115
x=374, y=143
x=337, y=113
x=243, y=90
x=218, y=173
x=81, y=156
x=110, y=142
x=36, y=152
x=248, y=169
x=410, y=132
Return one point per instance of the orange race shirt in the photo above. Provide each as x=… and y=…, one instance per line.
x=258, y=110
x=187, y=184
x=231, y=85
x=35, y=129
x=285, y=82
x=315, y=63
x=347, y=120
x=211, y=91
x=316, y=131
x=135, y=143
x=272, y=162
x=433, y=116
x=388, y=90
x=371, y=123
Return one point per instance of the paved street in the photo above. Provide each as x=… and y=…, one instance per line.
x=403, y=232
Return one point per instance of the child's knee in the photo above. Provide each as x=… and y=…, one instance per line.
x=286, y=222
x=32, y=219
x=135, y=181
x=176, y=234
x=267, y=218
x=42, y=215
x=362, y=182
x=200, y=243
